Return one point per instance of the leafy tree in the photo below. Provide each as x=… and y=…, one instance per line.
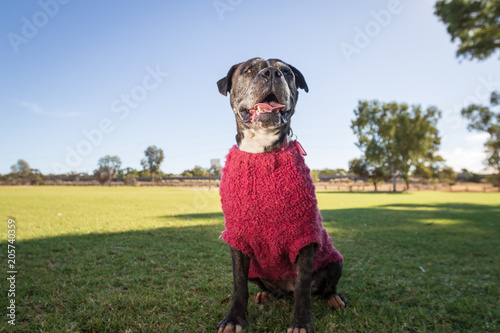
x=493, y=179
x=395, y=137
x=475, y=23
x=108, y=167
x=153, y=160
x=144, y=173
x=470, y=177
x=197, y=171
x=428, y=168
x=447, y=175
x=360, y=168
x=128, y=176
x=215, y=171
x=21, y=169
x=315, y=176
x=129, y=179
x=435, y=169
x=36, y=177
x=73, y=175
x=424, y=171
x=486, y=119
x=187, y=173
x=331, y=172
x=21, y=173
x=122, y=173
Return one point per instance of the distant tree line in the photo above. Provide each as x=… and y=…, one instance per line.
x=108, y=168
x=22, y=174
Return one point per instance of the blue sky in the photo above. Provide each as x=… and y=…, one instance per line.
x=83, y=79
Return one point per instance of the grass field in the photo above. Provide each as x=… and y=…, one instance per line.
x=97, y=259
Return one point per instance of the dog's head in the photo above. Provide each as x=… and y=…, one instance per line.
x=263, y=95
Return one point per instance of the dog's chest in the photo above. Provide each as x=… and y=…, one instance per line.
x=255, y=141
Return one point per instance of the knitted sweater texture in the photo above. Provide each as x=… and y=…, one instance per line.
x=271, y=212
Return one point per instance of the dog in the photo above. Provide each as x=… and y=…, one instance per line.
x=263, y=95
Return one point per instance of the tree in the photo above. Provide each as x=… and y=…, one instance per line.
x=215, y=171
x=428, y=168
x=331, y=172
x=424, y=171
x=360, y=168
x=395, y=137
x=197, y=171
x=475, y=23
x=128, y=176
x=154, y=157
x=21, y=173
x=122, y=173
x=21, y=169
x=36, y=177
x=447, y=175
x=130, y=179
x=108, y=167
x=469, y=177
x=434, y=169
x=486, y=119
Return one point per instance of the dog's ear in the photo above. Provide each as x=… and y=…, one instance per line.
x=299, y=79
x=225, y=83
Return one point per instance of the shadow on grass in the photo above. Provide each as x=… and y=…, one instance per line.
x=446, y=207
x=407, y=267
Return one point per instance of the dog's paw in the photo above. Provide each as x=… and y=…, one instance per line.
x=230, y=328
x=228, y=325
x=301, y=325
x=262, y=297
x=308, y=328
x=337, y=302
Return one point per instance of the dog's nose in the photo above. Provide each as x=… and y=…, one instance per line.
x=270, y=72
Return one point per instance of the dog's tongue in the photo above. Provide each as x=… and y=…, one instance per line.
x=261, y=108
x=269, y=107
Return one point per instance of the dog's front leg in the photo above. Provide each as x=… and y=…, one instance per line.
x=235, y=318
x=302, y=315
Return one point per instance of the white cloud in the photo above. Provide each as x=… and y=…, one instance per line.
x=33, y=107
x=465, y=158
x=471, y=155
x=478, y=138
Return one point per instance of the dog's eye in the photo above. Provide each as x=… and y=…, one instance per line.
x=249, y=70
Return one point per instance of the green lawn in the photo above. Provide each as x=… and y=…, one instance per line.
x=97, y=259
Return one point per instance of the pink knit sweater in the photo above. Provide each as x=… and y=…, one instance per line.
x=271, y=211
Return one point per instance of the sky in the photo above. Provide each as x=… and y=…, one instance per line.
x=83, y=79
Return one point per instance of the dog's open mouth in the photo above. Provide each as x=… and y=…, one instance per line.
x=270, y=104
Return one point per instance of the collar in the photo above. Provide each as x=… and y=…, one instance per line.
x=288, y=141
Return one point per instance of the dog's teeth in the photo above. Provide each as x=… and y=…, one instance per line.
x=259, y=108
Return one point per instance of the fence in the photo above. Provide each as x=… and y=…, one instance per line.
x=364, y=187
x=341, y=184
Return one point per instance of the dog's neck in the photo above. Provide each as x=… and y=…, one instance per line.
x=261, y=141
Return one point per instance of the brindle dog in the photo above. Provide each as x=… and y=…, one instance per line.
x=273, y=84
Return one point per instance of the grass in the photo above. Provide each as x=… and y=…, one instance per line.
x=99, y=259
